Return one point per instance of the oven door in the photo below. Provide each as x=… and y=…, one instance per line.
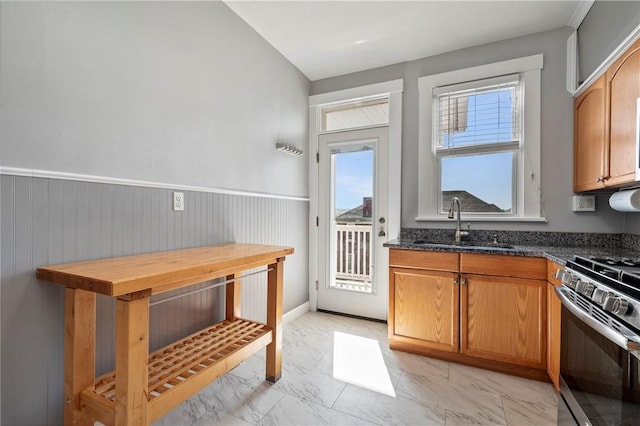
x=599, y=378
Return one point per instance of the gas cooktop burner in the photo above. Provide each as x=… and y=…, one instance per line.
x=622, y=273
x=620, y=261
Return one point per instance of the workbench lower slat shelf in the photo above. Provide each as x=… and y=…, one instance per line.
x=183, y=368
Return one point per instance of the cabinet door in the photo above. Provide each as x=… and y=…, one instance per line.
x=503, y=319
x=553, y=335
x=623, y=89
x=590, y=142
x=554, y=307
x=423, y=308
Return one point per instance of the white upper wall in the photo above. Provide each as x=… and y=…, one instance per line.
x=184, y=93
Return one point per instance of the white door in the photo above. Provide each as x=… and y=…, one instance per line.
x=353, y=188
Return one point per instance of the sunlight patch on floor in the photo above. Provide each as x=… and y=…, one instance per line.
x=358, y=360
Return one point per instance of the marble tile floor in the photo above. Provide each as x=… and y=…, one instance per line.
x=426, y=391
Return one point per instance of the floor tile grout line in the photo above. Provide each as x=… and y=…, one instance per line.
x=339, y=395
x=284, y=395
x=504, y=412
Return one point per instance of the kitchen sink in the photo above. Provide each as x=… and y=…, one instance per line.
x=466, y=244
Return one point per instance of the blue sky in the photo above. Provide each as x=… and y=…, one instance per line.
x=354, y=171
x=487, y=177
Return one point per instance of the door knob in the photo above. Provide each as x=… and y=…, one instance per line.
x=382, y=220
x=382, y=234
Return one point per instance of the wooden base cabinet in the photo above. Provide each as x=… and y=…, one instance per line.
x=425, y=308
x=479, y=319
x=424, y=301
x=503, y=319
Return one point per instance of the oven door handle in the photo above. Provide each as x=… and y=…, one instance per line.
x=619, y=339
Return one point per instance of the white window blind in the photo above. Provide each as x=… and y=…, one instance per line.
x=483, y=112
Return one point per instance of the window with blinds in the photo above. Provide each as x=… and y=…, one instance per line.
x=477, y=141
x=478, y=113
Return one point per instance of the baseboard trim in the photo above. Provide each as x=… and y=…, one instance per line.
x=294, y=313
x=530, y=372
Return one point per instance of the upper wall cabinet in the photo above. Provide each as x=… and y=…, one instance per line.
x=590, y=142
x=623, y=90
x=605, y=126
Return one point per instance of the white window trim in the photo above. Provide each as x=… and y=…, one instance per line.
x=530, y=205
x=369, y=91
x=393, y=89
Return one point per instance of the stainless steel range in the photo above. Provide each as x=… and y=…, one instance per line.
x=600, y=341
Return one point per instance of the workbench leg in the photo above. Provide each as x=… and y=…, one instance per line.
x=132, y=359
x=233, y=297
x=274, y=320
x=79, y=352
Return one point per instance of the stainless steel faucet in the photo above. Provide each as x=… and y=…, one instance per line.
x=460, y=234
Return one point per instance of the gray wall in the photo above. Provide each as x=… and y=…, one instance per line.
x=632, y=223
x=606, y=25
x=183, y=93
x=556, y=129
x=174, y=92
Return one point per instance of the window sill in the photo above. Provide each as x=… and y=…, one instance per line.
x=482, y=219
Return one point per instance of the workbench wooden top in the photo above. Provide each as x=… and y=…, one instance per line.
x=161, y=271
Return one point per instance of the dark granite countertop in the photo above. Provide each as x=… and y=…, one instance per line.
x=559, y=254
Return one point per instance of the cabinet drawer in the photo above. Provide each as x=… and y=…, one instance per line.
x=505, y=266
x=433, y=260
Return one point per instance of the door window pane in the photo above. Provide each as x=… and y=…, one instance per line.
x=352, y=183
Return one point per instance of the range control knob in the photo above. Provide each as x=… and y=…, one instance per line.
x=585, y=287
x=616, y=305
x=569, y=279
x=599, y=296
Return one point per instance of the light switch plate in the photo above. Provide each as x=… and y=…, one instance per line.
x=584, y=203
x=178, y=201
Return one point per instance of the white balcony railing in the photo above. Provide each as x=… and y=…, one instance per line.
x=353, y=253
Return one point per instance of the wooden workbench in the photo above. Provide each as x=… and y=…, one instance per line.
x=145, y=386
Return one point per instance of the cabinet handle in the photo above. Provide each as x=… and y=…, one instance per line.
x=456, y=281
x=463, y=281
